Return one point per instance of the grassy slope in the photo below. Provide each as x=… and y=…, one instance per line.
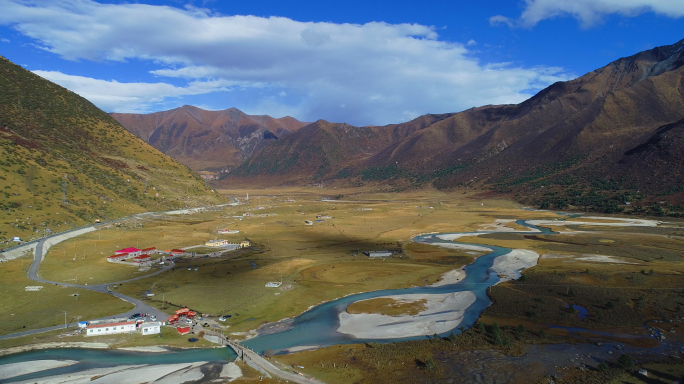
x=52, y=139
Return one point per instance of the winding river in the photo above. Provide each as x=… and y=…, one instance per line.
x=318, y=326
x=315, y=327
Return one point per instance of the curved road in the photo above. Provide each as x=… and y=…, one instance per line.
x=140, y=307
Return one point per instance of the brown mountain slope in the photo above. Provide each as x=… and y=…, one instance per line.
x=204, y=139
x=571, y=135
x=327, y=149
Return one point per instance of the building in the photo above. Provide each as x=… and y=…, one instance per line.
x=177, y=252
x=142, y=259
x=184, y=330
x=378, y=253
x=245, y=244
x=132, y=252
x=273, y=284
x=119, y=257
x=228, y=231
x=148, y=251
x=110, y=329
x=216, y=243
x=150, y=328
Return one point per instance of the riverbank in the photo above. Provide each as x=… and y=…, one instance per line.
x=134, y=374
x=443, y=312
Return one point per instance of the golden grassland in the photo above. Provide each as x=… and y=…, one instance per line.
x=388, y=306
x=29, y=310
x=316, y=263
x=321, y=262
x=168, y=337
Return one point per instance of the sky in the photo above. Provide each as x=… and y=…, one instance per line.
x=359, y=62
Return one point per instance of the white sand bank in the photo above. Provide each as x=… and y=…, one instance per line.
x=33, y=347
x=302, y=348
x=443, y=313
x=603, y=259
x=130, y=374
x=24, y=368
x=508, y=266
x=151, y=348
x=499, y=225
x=230, y=372
x=451, y=277
x=610, y=222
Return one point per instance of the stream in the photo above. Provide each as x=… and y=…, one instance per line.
x=318, y=326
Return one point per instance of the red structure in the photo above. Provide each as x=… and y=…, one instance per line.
x=142, y=259
x=184, y=330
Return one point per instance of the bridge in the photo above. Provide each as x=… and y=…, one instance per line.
x=259, y=363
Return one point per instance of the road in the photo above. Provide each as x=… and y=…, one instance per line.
x=257, y=362
x=140, y=307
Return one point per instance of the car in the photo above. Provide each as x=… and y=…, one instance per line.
x=153, y=317
x=136, y=316
x=224, y=317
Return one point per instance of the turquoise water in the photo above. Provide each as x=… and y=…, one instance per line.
x=317, y=327
x=100, y=358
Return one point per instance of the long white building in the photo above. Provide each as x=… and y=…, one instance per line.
x=110, y=328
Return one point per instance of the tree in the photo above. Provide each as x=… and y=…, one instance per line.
x=481, y=327
x=602, y=366
x=497, y=339
x=625, y=361
x=610, y=305
x=452, y=337
x=269, y=353
x=430, y=364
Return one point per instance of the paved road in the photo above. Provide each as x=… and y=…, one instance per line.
x=140, y=307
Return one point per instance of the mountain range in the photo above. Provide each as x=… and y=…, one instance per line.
x=64, y=162
x=209, y=141
x=602, y=141
x=608, y=139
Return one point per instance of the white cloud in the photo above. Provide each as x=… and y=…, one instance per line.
x=379, y=71
x=589, y=12
x=113, y=96
x=4, y=40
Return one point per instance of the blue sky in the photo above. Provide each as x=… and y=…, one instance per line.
x=357, y=62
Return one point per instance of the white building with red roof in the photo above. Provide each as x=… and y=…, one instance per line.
x=142, y=259
x=110, y=328
x=148, y=251
x=132, y=252
x=119, y=257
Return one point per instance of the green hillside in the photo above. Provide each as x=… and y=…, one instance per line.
x=64, y=162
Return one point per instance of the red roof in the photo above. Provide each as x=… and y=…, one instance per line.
x=129, y=250
x=110, y=324
x=149, y=249
x=117, y=256
x=142, y=257
x=177, y=251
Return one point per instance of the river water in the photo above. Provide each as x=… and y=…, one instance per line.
x=318, y=326
x=102, y=358
x=315, y=327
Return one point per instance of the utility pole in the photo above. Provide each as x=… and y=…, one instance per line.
x=65, y=323
x=163, y=301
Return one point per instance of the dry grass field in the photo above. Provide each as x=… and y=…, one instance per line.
x=621, y=276
x=29, y=310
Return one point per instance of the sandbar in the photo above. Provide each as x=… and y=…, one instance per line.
x=443, y=312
